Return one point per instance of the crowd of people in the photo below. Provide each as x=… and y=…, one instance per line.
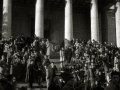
x=90, y=63
x=24, y=58
x=84, y=65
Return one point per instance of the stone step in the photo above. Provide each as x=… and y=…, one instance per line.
x=55, y=55
x=35, y=86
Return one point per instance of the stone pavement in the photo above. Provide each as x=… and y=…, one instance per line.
x=35, y=86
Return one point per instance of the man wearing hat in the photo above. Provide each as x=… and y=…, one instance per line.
x=10, y=85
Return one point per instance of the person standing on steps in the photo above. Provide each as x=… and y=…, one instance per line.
x=49, y=72
x=48, y=46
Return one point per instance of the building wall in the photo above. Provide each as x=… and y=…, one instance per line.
x=22, y=22
x=81, y=26
x=57, y=25
x=111, y=28
x=104, y=26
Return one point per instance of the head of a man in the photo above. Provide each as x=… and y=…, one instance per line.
x=56, y=80
x=45, y=57
x=2, y=57
x=62, y=48
x=71, y=84
x=52, y=64
x=115, y=77
x=47, y=62
x=40, y=52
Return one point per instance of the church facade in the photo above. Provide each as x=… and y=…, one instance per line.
x=61, y=19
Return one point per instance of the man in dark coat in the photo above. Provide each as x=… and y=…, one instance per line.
x=28, y=40
x=54, y=69
x=55, y=84
x=38, y=58
x=39, y=71
x=2, y=84
x=1, y=49
x=69, y=86
x=31, y=74
x=101, y=84
x=114, y=83
x=36, y=45
x=43, y=45
x=10, y=85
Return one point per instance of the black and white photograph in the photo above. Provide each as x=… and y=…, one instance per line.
x=59, y=44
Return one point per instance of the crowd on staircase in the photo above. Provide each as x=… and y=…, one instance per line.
x=93, y=66
x=84, y=65
x=22, y=58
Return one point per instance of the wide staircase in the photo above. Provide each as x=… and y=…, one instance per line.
x=55, y=51
x=54, y=58
x=55, y=55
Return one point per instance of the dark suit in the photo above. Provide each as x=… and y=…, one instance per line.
x=53, y=86
x=98, y=88
x=31, y=75
x=9, y=86
x=37, y=46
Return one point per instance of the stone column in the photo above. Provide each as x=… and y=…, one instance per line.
x=94, y=20
x=117, y=16
x=68, y=20
x=6, y=23
x=39, y=18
